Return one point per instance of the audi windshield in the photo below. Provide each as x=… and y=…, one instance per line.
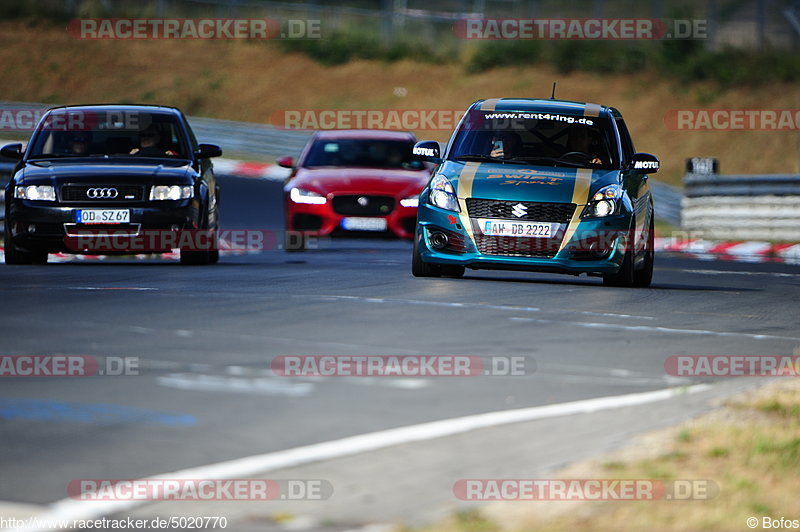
x=75, y=133
x=536, y=138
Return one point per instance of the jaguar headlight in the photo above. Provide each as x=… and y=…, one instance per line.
x=604, y=202
x=442, y=194
x=171, y=192
x=410, y=202
x=36, y=192
x=300, y=195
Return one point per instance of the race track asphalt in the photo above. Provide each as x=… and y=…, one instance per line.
x=204, y=338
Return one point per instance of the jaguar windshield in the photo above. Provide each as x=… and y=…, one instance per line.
x=368, y=153
x=537, y=138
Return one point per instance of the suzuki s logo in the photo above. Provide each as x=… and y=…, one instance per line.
x=102, y=193
x=519, y=210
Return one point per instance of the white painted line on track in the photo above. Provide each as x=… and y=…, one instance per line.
x=71, y=509
x=668, y=330
x=595, y=325
x=510, y=308
x=219, y=383
x=730, y=272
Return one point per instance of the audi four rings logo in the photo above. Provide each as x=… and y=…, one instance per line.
x=102, y=193
x=519, y=210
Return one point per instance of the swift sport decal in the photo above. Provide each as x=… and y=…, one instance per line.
x=580, y=197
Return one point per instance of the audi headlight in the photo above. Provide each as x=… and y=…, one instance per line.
x=410, y=202
x=442, y=194
x=604, y=202
x=36, y=192
x=171, y=192
x=299, y=195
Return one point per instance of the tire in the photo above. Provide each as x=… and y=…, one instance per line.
x=624, y=277
x=15, y=255
x=294, y=241
x=644, y=275
x=196, y=258
x=201, y=257
x=419, y=268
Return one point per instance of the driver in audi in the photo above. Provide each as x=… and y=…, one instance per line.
x=150, y=142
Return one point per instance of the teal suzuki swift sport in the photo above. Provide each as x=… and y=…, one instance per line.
x=537, y=185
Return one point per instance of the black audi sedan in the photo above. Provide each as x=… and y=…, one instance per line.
x=98, y=179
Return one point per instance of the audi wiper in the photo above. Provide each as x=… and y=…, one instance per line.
x=487, y=159
x=45, y=156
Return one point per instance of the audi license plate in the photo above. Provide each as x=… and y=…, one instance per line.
x=354, y=223
x=517, y=228
x=102, y=216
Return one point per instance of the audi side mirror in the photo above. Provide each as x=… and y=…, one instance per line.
x=12, y=151
x=207, y=151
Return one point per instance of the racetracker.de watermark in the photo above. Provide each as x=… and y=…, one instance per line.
x=110, y=240
x=389, y=119
x=580, y=29
x=173, y=489
x=401, y=366
x=193, y=28
x=584, y=489
x=732, y=119
x=69, y=120
x=66, y=366
x=733, y=366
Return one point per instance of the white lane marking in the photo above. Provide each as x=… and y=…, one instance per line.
x=134, y=288
x=648, y=328
x=218, y=383
x=72, y=509
x=403, y=384
x=510, y=308
x=730, y=272
x=269, y=384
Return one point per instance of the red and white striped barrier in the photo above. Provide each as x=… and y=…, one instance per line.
x=737, y=251
x=273, y=172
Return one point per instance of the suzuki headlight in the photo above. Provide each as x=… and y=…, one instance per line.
x=442, y=194
x=299, y=195
x=604, y=202
x=171, y=192
x=36, y=192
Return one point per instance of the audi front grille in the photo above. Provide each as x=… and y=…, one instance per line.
x=101, y=193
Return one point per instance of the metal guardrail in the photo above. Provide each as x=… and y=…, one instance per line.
x=667, y=200
x=743, y=207
x=247, y=137
x=741, y=185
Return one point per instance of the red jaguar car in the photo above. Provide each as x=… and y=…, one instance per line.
x=351, y=182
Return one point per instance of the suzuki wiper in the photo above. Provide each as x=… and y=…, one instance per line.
x=552, y=160
x=487, y=159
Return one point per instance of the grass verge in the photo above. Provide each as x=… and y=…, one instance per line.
x=749, y=446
